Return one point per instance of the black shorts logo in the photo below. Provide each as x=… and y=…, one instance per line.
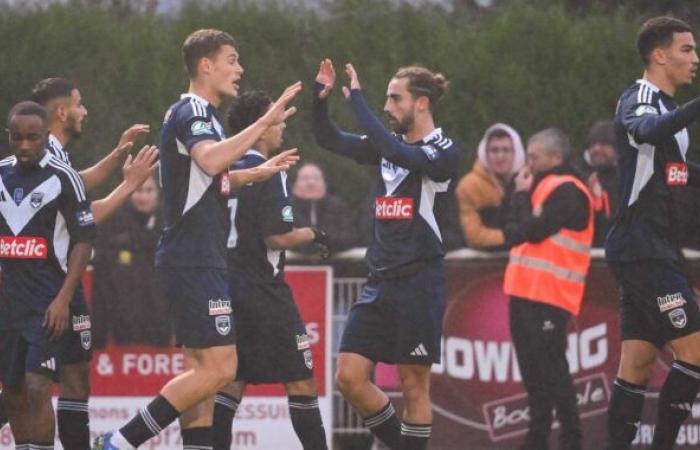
x=86, y=339
x=678, y=318
x=223, y=325
x=308, y=360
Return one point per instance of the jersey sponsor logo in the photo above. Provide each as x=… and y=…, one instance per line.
x=225, y=185
x=287, y=214
x=201, y=127
x=85, y=218
x=223, y=325
x=676, y=174
x=36, y=199
x=645, y=109
x=86, y=339
x=396, y=208
x=308, y=359
x=678, y=318
x=81, y=322
x=431, y=152
x=23, y=247
x=670, y=301
x=303, y=342
x=218, y=307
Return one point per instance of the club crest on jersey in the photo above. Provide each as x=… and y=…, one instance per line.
x=678, y=318
x=393, y=208
x=303, y=342
x=670, y=301
x=308, y=359
x=223, y=325
x=201, y=127
x=36, y=199
x=81, y=323
x=218, y=307
x=676, y=174
x=287, y=214
x=85, y=218
x=86, y=339
x=18, y=195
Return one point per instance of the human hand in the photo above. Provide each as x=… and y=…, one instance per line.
x=326, y=77
x=133, y=132
x=354, y=80
x=276, y=164
x=56, y=316
x=278, y=112
x=523, y=181
x=138, y=168
x=321, y=243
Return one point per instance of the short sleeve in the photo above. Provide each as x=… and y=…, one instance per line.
x=195, y=124
x=74, y=206
x=276, y=215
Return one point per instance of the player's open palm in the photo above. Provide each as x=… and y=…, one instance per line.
x=277, y=164
x=56, y=317
x=133, y=132
x=138, y=168
x=354, y=79
x=326, y=77
x=278, y=111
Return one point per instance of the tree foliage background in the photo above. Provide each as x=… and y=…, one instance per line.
x=532, y=64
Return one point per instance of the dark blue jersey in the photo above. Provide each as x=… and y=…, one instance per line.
x=258, y=211
x=196, y=220
x=55, y=147
x=412, y=181
x=652, y=143
x=43, y=211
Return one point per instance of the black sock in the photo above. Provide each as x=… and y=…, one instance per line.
x=20, y=445
x=41, y=446
x=225, y=407
x=414, y=436
x=624, y=411
x=149, y=421
x=73, y=424
x=198, y=438
x=386, y=426
x=306, y=420
x=675, y=403
x=3, y=415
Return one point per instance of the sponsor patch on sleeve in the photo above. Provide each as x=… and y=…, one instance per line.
x=85, y=218
x=201, y=127
x=287, y=214
x=431, y=152
x=645, y=109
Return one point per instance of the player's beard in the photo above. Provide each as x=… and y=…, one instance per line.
x=402, y=126
x=73, y=129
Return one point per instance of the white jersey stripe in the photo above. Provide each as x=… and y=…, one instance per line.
x=73, y=176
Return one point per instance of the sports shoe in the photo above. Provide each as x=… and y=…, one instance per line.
x=104, y=442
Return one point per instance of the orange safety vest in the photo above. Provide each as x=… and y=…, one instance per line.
x=552, y=271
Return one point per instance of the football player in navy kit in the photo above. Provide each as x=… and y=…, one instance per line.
x=657, y=305
x=66, y=111
x=191, y=257
x=46, y=233
x=398, y=317
x=273, y=346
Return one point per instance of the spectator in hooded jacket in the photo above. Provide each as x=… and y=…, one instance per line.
x=483, y=193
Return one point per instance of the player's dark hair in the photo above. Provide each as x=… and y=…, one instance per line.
x=424, y=83
x=28, y=108
x=498, y=133
x=203, y=44
x=658, y=33
x=246, y=109
x=52, y=88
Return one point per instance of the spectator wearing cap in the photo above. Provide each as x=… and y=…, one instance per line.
x=315, y=207
x=483, y=193
x=599, y=170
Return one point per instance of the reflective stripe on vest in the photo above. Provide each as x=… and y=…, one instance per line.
x=552, y=271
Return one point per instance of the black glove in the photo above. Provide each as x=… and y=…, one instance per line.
x=321, y=243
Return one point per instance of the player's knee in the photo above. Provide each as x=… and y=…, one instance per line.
x=302, y=387
x=347, y=379
x=38, y=393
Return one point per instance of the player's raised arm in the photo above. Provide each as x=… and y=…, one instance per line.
x=215, y=157
x=276, y=164
x=327, y=134
x=647, y=125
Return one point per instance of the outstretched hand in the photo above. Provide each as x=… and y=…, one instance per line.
x=138, y=168
x=278, y=111
x=133, y=132
x=326, y=77
x=354, y=80
x=266, y=170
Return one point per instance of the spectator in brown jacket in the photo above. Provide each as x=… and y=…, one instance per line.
x=482, y=193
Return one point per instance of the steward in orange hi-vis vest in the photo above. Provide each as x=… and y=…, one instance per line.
x=554, y=270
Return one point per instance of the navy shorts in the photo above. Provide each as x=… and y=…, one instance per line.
x=399, y=320
x=657, y=303
x=29, y=350
x=78, y=344
x=200, y=305
x=273, y=346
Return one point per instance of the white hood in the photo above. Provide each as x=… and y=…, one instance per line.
x=519, y=150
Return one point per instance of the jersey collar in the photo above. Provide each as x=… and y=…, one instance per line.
x=252, y=152
x=196, y=97
x=42, y=162
x=432, y=135
x=649, y=84
x=54, y=142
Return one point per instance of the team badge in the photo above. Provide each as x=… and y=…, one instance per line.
x=287, y=214
x=18, y=195
x=36, y=199
x=308, y=359
x=86, y=339
x=678, y=318
x=200, y=127
x=223, y=325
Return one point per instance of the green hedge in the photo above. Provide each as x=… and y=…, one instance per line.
x=531, y=64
